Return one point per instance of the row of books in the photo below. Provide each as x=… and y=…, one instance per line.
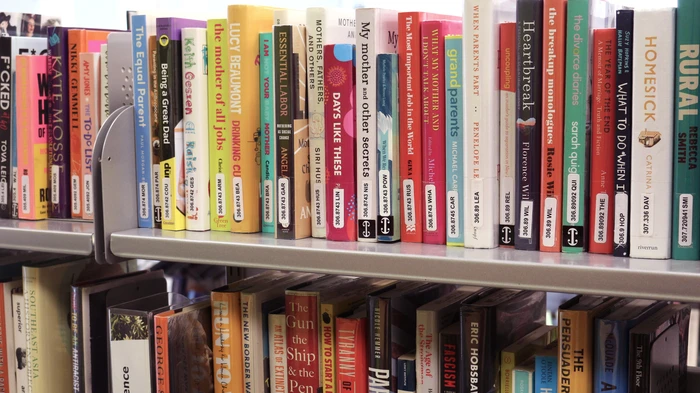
x=301, y=332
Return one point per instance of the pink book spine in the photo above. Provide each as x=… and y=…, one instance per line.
x=32, y=125
x=89, y=123
x=339, y=78
x=433, y=69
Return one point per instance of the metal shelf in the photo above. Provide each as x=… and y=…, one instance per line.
x=54, y=236
x=506, y=268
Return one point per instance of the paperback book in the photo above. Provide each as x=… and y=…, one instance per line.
x=89, y=125
x=267, y=133
x=455, y=142
x=507, y=80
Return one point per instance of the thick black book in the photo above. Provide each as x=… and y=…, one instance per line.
x=623, y=133
x=450, y=365
x=491, y=324
x=529, y=124
x=6, y=98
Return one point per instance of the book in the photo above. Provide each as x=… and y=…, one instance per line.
x=171, y=127
x=389, y=216
x=268, y=135
x=351, y=352
x=623, y=132
x=89, y=125
x=546, y=371
x=245, y=25
x=455, y=141
x=32, y=118
x=293, y=178
x=376, y=32
x=329, y=26
x=19, y=323
x=576, y=327
x=59, y=138
x=220, y=181
x=433, y=62
x=406, y=373
x=450, y=366
x=340, y=222
x=7, y=341
x=528, y=135
x=196, y=128
x=278, y=352
x=507, y=83
x=686, y=190
x=553, y=63
x=156, y=174
x=651, y=189
x=522, y=350
x=523, y=377
x=611, y=349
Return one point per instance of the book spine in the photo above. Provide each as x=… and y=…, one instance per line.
x=328, y=366
x=450, y=368
x=302, y=177
x=32, y=345
x=14, y=211
x=507, y=134
x=20, y=335
x=316, y=20
x=104, y=85
x=76, y=327
x=639, y=363
x=545, y=374
x=77, y=42
x=284, y=129
x=303, y=342
x=411, y=121
x=602, y=141
x=554, y=45
x=267, y=128
x=575, y=351
x=481, y=145
x=142, y=119
x=250, y=383
x=522, y=381
x=576, y=112
x=162, y=353
x=455, y=141
x=623, y=132
x=219, y=137
x=351, y=355
x=196, y=128
x=686, y=220
x=340, y=221
x=89, y=124
x=406, y=375
x=610, y=356
x=529, y=124
x=651, y=189
x=33, y=115
x=427, y=350
x=4, y=332
x=278, y=355
x=388, y=220
x=507, y=366
x=227, y=341
x=156, y=175
x=6, y=103
x=130, y=354
x=379, y=359
x=474, y=351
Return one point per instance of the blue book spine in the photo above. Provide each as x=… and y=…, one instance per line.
x=455, y=141
x=388, y=221
x=546, y=374
x=522, y=381
x=267, y=127
x=611, y=356
x=406, y=381
x=142, y=120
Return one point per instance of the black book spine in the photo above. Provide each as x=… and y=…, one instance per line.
x=78, y=356
x=450, y=363
x=284, y=126
x=623, y=133
x=379, y=345
x=475, y=379
x=639, y=363
x=528, y=124
x=6, y=98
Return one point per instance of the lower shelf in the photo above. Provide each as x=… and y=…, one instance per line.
x=505, y=268
x=54, y=236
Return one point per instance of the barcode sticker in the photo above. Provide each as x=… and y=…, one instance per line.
x=238, y=199
x=283, y=202
x=267, y=202
x=75, y=194
x=55, y=196
x=431, y=221
x=685, y=220
x=338, y=210
x=452, y=214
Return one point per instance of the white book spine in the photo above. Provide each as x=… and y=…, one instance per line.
x=427, y=363
x=90, y=116
x=129, y=360
x=251, y=375
x=277, y=336
x=104, y=85
x=8, y=329
x=325, y=26
x=19, y=322
x=376, y=32
x=481, y=146
x=653, y=121
x=196, y=128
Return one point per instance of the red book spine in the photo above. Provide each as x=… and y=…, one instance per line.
x=302, y=342
x=508, y=74
x=341, y=217
x=553, y=141
x=603, y=141
x=351, y=355
x=433, y=68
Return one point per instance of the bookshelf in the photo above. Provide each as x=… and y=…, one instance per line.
x=54, y=236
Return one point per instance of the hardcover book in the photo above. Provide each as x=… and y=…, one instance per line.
x=406, y=379
x=389, y=217
x=89, y=124
x=278, y=352
x=522, y=350
x=651, y=188
x=450, y=366
x=339, y=115
x=171, y=127
x=351, y=352
x=546, y=371
x=330, y=26
x=376, y=32
x=268, y=148
x=508, y=75
x=528, y=135
x=456, y=140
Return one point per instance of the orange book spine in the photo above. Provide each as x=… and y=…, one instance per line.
x=603, y=141
x=162, y=354
x=576, y=351
x=228, y=341
x=553, y=140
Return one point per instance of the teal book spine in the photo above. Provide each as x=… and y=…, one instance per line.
x=455, y=140
x=575, y=126
x=267, y=137
x=522, y=381
x=389, y=220
x=545, y=374
x=686, y=181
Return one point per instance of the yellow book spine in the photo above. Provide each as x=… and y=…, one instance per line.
x=245, y=23
x=507, y=366
x=327, y=366
x=228, y=350
x=576, y=351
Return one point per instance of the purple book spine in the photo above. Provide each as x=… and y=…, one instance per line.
x=58, y=138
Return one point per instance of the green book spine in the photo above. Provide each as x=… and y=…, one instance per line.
x=454, y=110
x=267, y=127
x=686, y=184
x=522, y=381
x=575, y=119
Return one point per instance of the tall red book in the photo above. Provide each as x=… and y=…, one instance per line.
x=351, y=354
x=603, y=141
x=411, y=120
x=434, y=167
